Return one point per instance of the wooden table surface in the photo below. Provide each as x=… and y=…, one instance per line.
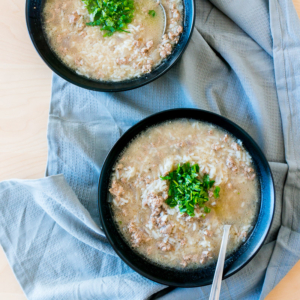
x=25, y=85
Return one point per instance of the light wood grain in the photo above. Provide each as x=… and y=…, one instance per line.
x=24, y=100
x=289, y=287
x=297, y=6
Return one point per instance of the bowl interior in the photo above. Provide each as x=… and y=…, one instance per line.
x=200, y=276
x=35, y=29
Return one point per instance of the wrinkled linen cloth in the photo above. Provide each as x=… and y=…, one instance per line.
x=243, y=62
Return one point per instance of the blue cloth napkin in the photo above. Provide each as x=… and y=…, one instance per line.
x=243, y=62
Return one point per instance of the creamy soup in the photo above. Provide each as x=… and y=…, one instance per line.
x=121, y=56
x=144, y=207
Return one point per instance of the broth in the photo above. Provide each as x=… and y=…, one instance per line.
x=162, y=233
x=118, y=57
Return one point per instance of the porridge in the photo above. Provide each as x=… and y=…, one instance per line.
x=116, y=42
x=174, y=188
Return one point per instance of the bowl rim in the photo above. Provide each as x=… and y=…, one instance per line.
x=247, y=136
x=146, y=81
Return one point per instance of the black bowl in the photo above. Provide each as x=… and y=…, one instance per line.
x=201, y=276
x=35, y=29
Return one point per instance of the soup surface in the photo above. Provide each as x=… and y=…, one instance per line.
x=142, y=202
x=124, y=55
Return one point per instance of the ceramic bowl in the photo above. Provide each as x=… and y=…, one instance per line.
x=202, y=275
x=35, y=28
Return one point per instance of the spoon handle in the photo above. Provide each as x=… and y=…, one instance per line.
x=216, y=285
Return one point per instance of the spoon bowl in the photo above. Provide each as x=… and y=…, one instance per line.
x=165, y=17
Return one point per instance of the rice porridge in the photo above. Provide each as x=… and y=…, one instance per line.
x=117, y=52
x=174, y=188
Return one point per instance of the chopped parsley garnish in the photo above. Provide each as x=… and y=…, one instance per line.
x=110, y=15
x=152, y=13
x=217, y=192
x=187, y=190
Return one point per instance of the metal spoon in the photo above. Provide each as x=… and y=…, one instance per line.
x=165, y=17
x=216, y=285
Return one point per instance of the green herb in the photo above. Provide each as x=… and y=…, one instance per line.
x=152, y=13
x=120, y=222
x=207, y=209
x=217, y=192
x=187, y=190
x=110, y=15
